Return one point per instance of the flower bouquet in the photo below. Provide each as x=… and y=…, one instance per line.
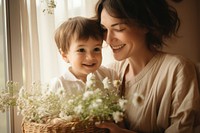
x=45, y=111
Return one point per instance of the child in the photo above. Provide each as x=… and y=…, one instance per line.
x=79, y=41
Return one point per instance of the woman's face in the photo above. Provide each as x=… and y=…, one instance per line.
x=125, y=40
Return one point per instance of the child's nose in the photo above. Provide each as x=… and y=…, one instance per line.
x=90, y=55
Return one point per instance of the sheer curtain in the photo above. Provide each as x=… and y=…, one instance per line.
x=41, y=58
x=29, y=41
x=51, y=64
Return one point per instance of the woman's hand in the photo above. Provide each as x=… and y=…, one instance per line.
x=113, y=128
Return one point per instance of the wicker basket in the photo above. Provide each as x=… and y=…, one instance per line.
x=78, y=127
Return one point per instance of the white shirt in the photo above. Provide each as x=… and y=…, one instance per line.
x=74, y=86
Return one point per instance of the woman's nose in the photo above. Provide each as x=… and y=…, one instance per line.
x=108, y=37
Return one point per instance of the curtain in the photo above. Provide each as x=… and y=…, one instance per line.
x=29, y=41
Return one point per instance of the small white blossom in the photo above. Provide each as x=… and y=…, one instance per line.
x=60, y=92
x=87, y=94
x=43, y=105
x=90, y=77
x=70, y=101
x=78, y=109
x=73, y=128
x=95, y=104
x=117, y=116
x=91, y=81
x=137, y=99
x=99, y=100
x=97, y=122
x=122, y=104
x=57, y=120
x=45, y=89
x=116, y=83
x=107, y=83
x=66, y=117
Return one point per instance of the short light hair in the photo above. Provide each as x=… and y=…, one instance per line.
x=77, y=28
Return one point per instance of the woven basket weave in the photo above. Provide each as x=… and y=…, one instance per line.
x=79, y=127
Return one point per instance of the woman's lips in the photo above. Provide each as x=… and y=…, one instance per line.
x=117, y=47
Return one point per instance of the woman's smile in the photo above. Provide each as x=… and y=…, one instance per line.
x=117, y=46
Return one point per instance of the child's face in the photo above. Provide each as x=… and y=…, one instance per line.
x=84, y=56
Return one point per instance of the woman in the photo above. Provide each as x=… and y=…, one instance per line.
x=136, y=31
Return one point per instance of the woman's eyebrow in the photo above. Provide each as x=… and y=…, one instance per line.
x=113, y=25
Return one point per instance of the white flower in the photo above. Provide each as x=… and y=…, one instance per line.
x=117, y=116
x=22, y=91
x=45, y=89
x=43, y=105
x=116, y=83
x=57, y=120
x=66, y=117
x=122, y=104
x=87, y=94
x=60, y=92
x=95, y=104
x=137, y=99
x=91, y=81
x=78, y=109
x=99, y=100
x=97, y=122
x=73, y=128
x=91, y=76
x=70, y=101
x=107, y=83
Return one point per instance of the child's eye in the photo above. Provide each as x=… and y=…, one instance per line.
x=97, y=49
x=81, y=50
x=104, y=30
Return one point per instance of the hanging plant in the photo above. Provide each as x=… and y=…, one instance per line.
x=50, y=5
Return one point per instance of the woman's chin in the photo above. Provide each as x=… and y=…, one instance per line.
x=118, y=57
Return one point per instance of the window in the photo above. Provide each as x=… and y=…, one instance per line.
x=4, y=117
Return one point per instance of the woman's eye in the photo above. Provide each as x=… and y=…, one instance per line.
x=118, y=30
x=81, y=50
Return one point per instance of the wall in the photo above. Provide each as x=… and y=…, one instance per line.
x=189, y=42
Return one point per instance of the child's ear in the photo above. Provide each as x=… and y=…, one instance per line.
x=64, y=56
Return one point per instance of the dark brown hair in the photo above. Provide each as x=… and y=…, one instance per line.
x=157, y=16
x=77, y=28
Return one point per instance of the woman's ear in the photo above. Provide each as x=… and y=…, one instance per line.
x=64, y=56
